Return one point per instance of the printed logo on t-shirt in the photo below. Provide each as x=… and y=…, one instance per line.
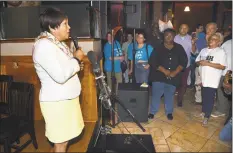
x=210, y=58
x=118, y=52
x=139, y=54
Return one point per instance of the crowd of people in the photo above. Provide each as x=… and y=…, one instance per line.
x=199, y=60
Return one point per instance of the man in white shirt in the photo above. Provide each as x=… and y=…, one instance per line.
x=211, y=72
x=222, y=101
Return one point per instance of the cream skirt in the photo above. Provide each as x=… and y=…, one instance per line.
x=63, y=120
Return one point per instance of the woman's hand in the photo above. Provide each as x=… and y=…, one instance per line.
x=194, y=40
x=79, y=54
x=173, y=74
x=146, y=66
x=167, y=73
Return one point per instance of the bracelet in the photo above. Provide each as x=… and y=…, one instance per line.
x=79, y=62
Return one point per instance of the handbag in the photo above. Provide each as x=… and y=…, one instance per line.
x=123, y=66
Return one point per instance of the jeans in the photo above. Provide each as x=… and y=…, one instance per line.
x=208, y=95
x=141, y=74
x=226, y=132
x=192, y=76
x=158, y=89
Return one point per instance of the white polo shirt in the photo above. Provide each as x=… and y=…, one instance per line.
x=227, y=48
x=210, y=76
x=57, y=72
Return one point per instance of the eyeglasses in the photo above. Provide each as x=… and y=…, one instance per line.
x=214, y=39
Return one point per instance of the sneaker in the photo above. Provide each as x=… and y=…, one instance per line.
x=205, y=121
x=169, y=117
x=200, y=115
x=217, y=114
x=150, y=116
x=198, y=103
x=144, y=85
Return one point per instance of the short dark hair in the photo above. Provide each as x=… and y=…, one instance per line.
x=129, y=33
x=199, y=25
x=108, y=33
x=169, y=30
x=51, y=17
x=142, y=33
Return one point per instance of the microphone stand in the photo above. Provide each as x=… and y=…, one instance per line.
x=134, y=52
x=106, y=96
x=113, y=78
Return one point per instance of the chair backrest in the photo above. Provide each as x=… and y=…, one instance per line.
x=21, y=100
x=5, y=81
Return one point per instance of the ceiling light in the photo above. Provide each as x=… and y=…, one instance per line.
x=187, y=9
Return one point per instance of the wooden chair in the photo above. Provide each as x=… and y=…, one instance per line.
x=21, y=119
x=5, y=82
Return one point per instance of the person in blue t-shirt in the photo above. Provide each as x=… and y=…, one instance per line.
x=142, y=54
x=118, y=57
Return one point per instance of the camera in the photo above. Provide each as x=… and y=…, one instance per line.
x=228, y=77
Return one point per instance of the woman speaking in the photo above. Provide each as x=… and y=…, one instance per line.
x=57, y=70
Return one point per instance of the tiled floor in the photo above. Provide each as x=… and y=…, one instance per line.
x=184, y=133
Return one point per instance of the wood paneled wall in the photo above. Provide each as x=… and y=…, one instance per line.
x=22, y=69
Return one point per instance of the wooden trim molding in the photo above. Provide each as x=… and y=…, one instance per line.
x=25, y=59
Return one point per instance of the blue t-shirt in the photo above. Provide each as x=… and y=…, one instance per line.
x=201, y=41
x=200, y=44
x=141, y=53
x=108, y=54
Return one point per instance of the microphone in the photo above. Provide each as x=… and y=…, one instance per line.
x=105, y=90
x=93, y=59
x=75, y=41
